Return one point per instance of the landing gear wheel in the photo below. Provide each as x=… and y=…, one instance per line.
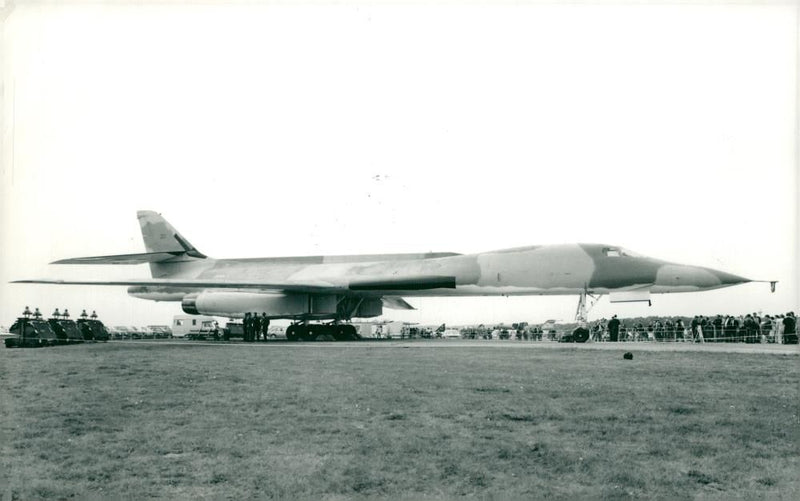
x=309, y=333
x=291, y=333
x=580, y=335
x=339, y=333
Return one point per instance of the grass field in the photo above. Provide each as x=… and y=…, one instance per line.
x=392, y=420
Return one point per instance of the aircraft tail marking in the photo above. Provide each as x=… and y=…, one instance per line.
x=160, y=236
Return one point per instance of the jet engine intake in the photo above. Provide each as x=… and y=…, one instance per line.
x=189, y=304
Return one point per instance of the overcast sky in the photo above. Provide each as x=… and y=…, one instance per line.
x=266, y=130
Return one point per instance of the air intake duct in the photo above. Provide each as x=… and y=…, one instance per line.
x=189, y=304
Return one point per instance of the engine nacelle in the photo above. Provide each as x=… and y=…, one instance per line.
x=155, y=293
x=275, y=305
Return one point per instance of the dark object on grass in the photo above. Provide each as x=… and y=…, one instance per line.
x=628, y=355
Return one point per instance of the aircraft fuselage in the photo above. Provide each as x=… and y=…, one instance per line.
x=567, y=269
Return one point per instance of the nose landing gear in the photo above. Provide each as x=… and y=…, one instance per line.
x=581, y=333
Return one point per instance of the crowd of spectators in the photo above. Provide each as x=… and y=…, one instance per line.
x=750, y=328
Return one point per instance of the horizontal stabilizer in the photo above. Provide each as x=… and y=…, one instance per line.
x=147, y=257
x=404, y=283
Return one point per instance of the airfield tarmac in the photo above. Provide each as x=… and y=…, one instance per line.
x=774, y=349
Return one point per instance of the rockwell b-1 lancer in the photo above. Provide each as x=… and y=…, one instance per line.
x=339, y=288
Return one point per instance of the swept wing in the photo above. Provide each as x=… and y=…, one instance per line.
x=318, y=286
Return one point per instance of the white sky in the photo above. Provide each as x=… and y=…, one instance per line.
x=271, y=130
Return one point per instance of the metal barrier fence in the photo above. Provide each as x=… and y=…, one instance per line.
x=709, y=334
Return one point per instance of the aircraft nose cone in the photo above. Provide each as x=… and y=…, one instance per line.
x=729, y=278
x=681, y=276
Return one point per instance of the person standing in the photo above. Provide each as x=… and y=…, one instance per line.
x=748, y=328
x=757, y=319
x=701, y=329
x=641, y=335
x=597, y=331
x=767, y=335
x=695, y=325
x=731, y=329
x=246, y=325
x=740, y=330
x=779, y=329
x=717, y=323
x=790, y=328
x=658, y=330
x=255, y=327
x=669, y=330
x=613, y=329
x=705, y=326
x=264, y=325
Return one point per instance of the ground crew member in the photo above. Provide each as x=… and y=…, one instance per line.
x=246, y=326
x=613, y=329
x=256, y=329
x=264, y=325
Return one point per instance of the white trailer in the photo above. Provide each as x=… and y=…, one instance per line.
x=191, y=325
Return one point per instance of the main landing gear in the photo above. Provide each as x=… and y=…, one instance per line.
x=314, y=332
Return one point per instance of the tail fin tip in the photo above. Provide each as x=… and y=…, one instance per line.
x=160, y=236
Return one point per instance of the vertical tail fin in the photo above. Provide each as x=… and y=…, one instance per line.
x=160, y=236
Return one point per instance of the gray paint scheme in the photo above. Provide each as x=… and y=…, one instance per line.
x=567, y=269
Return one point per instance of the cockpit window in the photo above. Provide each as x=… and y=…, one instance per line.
x=618, y=252
x=630, y=253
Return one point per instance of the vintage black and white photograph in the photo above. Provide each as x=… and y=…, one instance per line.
x=399, y=250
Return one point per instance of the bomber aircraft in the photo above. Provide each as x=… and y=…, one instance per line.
x=338, y=288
